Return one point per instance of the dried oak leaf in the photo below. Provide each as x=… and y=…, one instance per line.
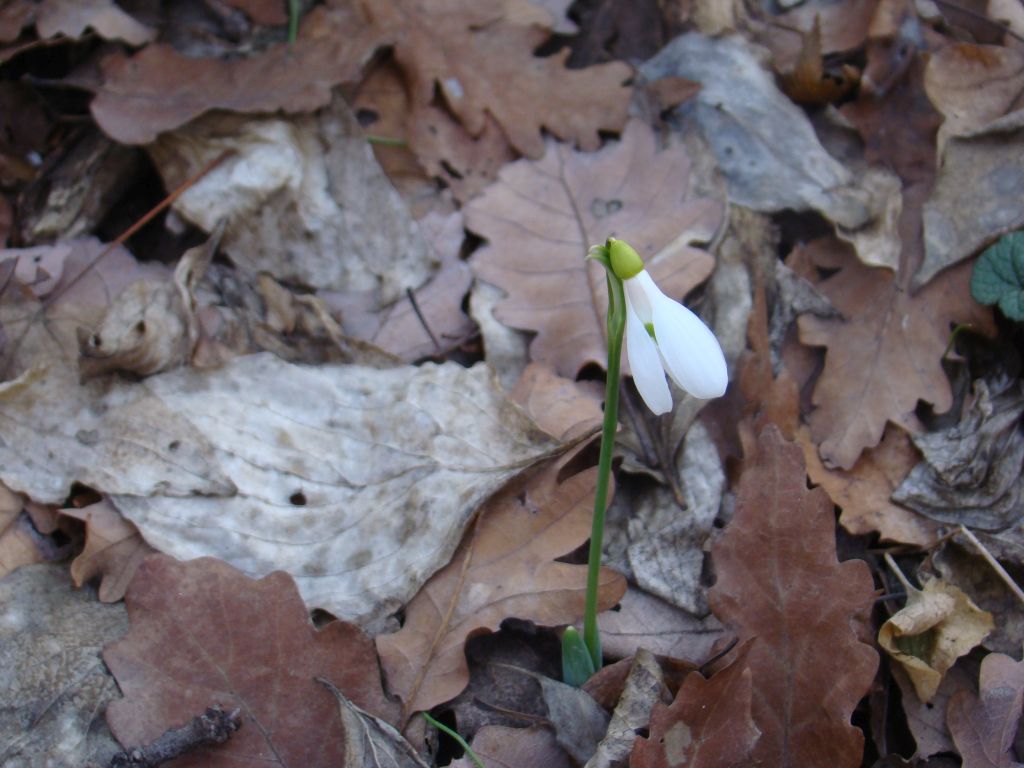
x=73, y=17
x=505, y=567
x=864, y=491
x=203, y=633
x=114, y=550
x=984, y=726
x=708, y=724
x=780, y=541
x=884, y=353
x=542, y=216
x=159, y=89
x=482, y=59
x=938, y=625
x=502, y=747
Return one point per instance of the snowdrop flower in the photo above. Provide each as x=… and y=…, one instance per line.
x=663, y=335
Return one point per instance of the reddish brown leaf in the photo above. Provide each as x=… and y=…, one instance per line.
x=984, y=726
x=541, y=217
x=203, y=634
x=504, y=567
x=884, y=354
x=708, y=725
x=481, y=59
x=159, y=89
x=114, y=550
x=779, y=581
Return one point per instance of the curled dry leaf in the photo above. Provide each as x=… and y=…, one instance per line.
x=708, y=724
x=56, y=290
x=205, y=634
x=780, y=541
x=504, y=568
x=159, y=89
x=295, y=194
x=884, y=354
x=113, y=550
x=643, y=689
x=541, y=217
x=938, y=625
x=970, y=472
x=984, y=726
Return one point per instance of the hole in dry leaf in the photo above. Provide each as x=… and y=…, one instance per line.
x=366, y=116
x=643, y=733
x=173, y=445
x=298, y=499
x=450, y=169
x=140, y=327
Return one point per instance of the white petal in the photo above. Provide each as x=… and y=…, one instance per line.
x=645, y=364
x=638, y=289
x=693, y=357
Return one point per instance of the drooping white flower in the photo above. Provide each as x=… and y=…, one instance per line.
x=663, y=335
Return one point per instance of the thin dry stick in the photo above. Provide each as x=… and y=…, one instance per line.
x=167, y=201
x=421, y=318
x=993, y=562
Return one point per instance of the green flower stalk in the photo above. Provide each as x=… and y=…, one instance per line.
x=662, y=336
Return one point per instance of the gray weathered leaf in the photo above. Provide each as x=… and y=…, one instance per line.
x=970, y=473
x=53, y=685
x=356, y=481
x=765, y=145
x=666, y=549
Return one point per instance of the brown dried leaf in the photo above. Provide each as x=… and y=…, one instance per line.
x=780, y=541
x=480, y=56
x=863, y=492
x=73, y=17
x=563, y=408
x=884, y=354
x=541, y=217
x=708, y=724
x=972, y=85
x=20, y=545
x=938, y=625
x=114, y=549
x=984, y=726
x=505, y=567
x=55, y=290
x=809, y=83
x=159, y=89
x=203, y=634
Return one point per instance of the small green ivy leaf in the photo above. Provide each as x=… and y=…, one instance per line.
x=998, y=276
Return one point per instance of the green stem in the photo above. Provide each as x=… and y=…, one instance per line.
x=294, y=10
x=461, y=741
x=616, y=327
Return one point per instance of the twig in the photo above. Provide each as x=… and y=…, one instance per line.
x=422, y=319
x=166, y=202
x=983, y=551
x=214, y=727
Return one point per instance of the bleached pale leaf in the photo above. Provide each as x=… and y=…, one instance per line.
x=357, y=481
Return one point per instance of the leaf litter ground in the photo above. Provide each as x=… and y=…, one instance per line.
x=325, y=425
